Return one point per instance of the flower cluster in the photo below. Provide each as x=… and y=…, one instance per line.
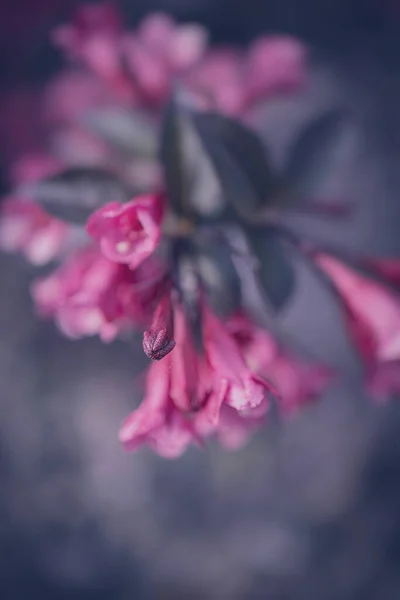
x=143, y=230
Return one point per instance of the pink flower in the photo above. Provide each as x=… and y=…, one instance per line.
x=128, y=233
x=275, y=64
x=26, y=228
x=179, y=45
x=191, y=379
x=157, y=422
x=90, y=295
x=245, y=389
x=218, y=77
x=171, y=417
x=297, y=382
x=235, y=81
x=373, y=318
x=93, y=39
x=192, y=394
x=160, y=49
x=182, y=403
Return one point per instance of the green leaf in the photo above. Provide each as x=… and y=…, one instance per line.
x=241, y=161
x=275, y=271
x=131, y=132
x=73, y=194
x=215, y=167
x=193, y=187
x=219, y=277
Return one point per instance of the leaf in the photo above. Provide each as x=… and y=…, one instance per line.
x=312, y=154
x=130, y=131
x=193, y=187
x=240, y=159
x=72, y=195
x=275, y=271
x=214, y=166
x=219, y=277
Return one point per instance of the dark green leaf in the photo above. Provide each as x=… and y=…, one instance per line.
x=240, y=159
x=193, y=186
x=72, y=195
x=275, y=271
x=219, y=276
x=132, y=132
x=312, y=154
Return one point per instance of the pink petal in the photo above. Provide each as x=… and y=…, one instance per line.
x=370, y=304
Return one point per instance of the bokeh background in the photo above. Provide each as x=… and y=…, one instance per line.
x=310, y=509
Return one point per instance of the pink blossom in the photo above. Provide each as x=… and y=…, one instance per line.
x=218, y=77
x=128, y=233
x=275, y=64
x=373, y=318
x=26, y=228
x=141, y=65
x=157, y=422
x=159, y=50
x=163, y=420
x=182, y=403
x=235, y=81
x=245, y=389
x=192, y=394
x=92, y=38
x=297, y=382
x=90, y=295
x=180, y=46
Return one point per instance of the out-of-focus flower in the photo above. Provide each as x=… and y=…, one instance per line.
x=275, y=64
x=160, y=50
x=93, y=39
x=141, y=66
x=235, y=81
x=26, y=228
x=91, y=295
x=372, y=311
x=130, y=232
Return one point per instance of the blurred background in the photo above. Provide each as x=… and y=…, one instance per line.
x=310, y=509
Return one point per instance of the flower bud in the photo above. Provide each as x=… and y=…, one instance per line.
x=158, y=340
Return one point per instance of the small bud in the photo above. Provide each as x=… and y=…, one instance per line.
x=158, y=340
x=157, y=344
